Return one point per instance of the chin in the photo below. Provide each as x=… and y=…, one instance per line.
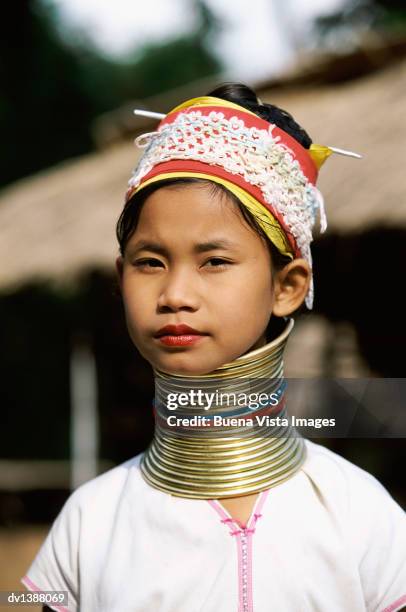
x=185, y=366
x=184, y=371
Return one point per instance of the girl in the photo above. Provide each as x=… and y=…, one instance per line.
x=225, y=510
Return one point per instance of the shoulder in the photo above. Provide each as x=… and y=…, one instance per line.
x=321, y=458
x=93, y=506
x=359, y=501
x=338, y=476
x=371, y=521
x=108, y=486
x=81, y=528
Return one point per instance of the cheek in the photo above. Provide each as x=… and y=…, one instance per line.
x=260, y=299
x=256, y=290
x=135, y=303
x=248, y=305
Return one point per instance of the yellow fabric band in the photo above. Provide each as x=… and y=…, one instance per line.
x=264, y=217
x=210, y=101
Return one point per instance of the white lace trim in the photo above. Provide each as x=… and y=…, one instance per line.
x=255, y=155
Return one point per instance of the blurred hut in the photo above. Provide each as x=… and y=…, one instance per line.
x=58, y=249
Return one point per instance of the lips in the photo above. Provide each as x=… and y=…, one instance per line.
x=179, y=335
x=178, y=330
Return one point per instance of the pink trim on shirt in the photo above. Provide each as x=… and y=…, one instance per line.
x=33, y=587
x=240, y=571
x=244, y=533
x=395, y=604
x=214, y=503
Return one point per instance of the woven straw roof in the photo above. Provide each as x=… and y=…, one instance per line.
x=58, y=222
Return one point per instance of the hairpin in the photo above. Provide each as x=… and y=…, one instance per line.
x=145, y=113
x=344, y=152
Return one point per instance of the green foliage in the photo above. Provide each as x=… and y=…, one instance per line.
x=51, y=90
x=389, y=15
x=163, y=67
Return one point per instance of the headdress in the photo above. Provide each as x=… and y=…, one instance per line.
x=271, y=173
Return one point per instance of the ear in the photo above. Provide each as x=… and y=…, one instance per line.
x=119, y=271
x=290, y=287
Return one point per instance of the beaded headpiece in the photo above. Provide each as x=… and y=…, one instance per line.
x=271, y=173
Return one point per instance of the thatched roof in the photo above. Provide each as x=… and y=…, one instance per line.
x=62, y=220
x=368, y=116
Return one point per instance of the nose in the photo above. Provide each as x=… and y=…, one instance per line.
x=178, y=293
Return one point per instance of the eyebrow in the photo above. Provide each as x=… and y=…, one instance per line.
x=201, y=247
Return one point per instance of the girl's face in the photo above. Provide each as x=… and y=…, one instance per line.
x=193, y=260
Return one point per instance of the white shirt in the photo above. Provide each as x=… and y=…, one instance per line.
x=330, y=538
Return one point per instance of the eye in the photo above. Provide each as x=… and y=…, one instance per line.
x=218, y=262
x=147, y=263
